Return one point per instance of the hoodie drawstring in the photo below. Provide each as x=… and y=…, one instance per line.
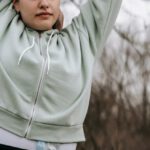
x=47, y=53
x=28, y=48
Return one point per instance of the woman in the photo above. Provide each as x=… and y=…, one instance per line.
x=46, y=74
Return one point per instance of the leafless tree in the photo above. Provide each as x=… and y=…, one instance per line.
x=119, y=110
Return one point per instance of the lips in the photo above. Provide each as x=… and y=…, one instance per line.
x=43, y=15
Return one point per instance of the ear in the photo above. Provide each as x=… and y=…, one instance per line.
x=16, y=5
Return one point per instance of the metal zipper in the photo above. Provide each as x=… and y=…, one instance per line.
x=37, y=95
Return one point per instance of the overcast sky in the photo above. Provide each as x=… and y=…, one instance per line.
x=139, y=8
x=135, y=11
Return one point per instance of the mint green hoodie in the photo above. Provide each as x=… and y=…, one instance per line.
x=45, y=80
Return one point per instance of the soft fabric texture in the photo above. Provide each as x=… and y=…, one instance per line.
x=10, y=139
x=45, y=79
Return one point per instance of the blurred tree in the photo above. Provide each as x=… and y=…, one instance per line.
x=119, y=112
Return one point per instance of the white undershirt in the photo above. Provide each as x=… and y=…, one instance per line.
x=8, y=138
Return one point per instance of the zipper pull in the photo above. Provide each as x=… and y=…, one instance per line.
x=40, y=44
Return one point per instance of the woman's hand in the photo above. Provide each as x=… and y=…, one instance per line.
x=59, y=23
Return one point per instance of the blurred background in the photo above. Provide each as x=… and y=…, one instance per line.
x=119, y=112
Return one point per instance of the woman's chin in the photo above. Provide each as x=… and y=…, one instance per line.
x=41, y=26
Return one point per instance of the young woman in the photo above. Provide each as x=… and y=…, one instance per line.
x=46, y=74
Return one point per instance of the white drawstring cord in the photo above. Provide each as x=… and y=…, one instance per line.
x=47, y=53
x=28, y=48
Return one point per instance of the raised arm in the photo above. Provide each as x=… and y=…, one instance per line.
x=6, y=15
x=96, y=20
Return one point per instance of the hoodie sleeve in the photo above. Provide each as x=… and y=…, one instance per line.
x=7, y=14
x=96, y=20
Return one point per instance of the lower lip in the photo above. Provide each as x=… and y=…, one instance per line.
x=44, y=16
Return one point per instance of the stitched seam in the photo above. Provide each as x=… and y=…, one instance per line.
x=51, y=124
x=107, y=17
